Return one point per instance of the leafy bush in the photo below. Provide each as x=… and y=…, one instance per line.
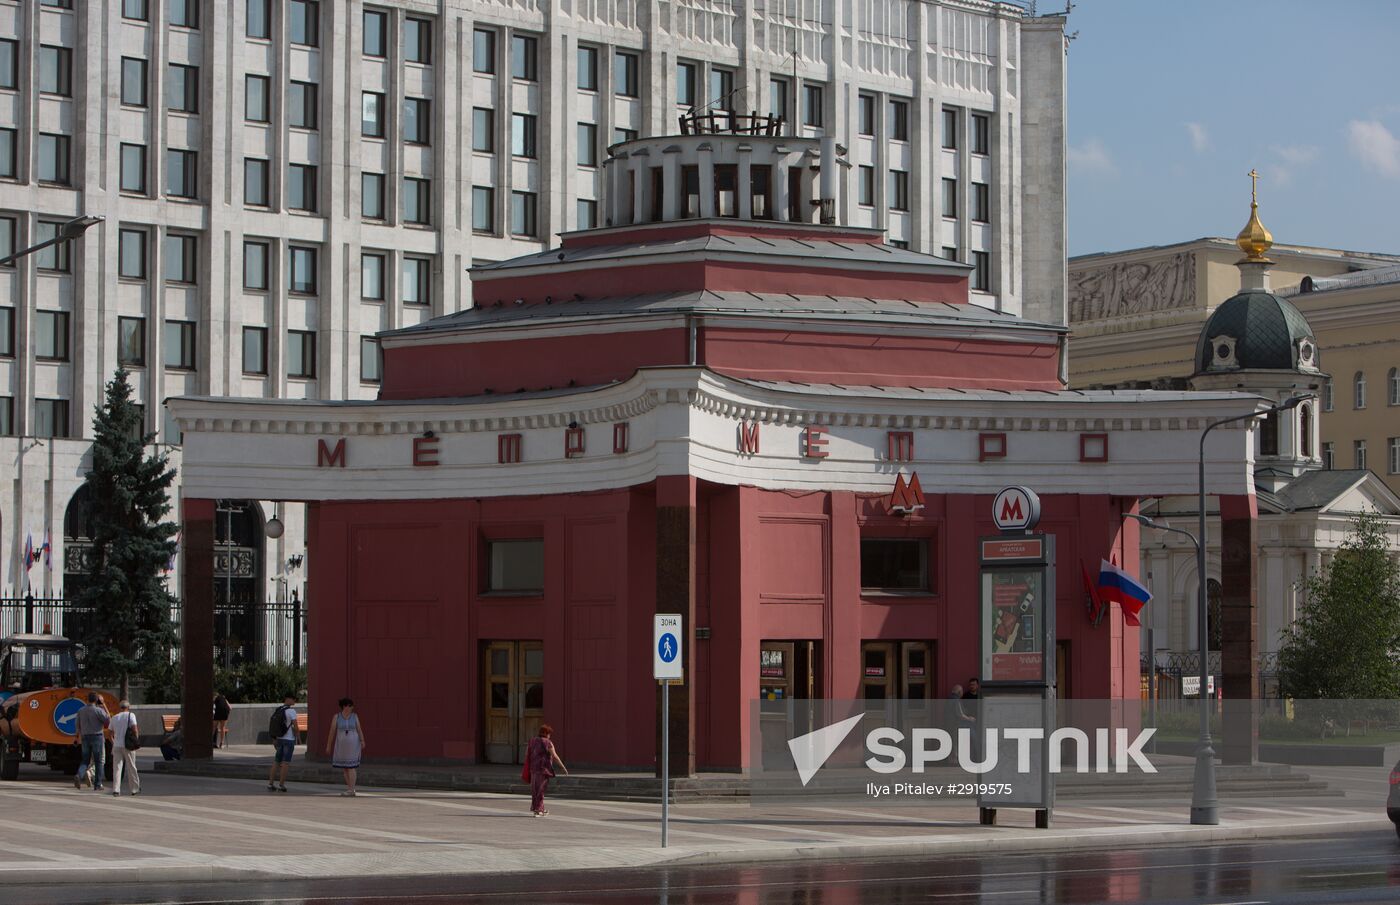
x=251, y=683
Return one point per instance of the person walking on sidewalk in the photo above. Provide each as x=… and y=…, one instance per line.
x=92, y=719
x=125, y=731
x=345, y=743
x=540, y=758
x=283, y=729
x=222, y=711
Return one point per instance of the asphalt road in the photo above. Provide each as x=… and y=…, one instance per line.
x=1349, y=868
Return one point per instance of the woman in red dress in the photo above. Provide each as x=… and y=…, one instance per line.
x=540, y=758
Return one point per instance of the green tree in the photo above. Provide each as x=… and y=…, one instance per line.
x=1345, y=641
x=129, y=629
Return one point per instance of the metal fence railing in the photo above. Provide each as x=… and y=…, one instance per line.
x=264, y=631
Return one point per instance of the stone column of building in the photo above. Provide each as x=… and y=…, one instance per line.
x=1239, y=627
x=675, y=593
x=197, y=627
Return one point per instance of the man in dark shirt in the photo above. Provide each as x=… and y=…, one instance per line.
x=92, y=719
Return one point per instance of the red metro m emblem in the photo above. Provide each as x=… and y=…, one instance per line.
x=1016, y=509
x=907, y=497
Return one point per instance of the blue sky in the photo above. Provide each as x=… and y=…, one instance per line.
x=1171, y=104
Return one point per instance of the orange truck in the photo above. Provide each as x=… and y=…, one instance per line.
x=40, y=696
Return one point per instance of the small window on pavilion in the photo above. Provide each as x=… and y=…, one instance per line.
x=726, y=190
x=760, y=191
x=516, y=566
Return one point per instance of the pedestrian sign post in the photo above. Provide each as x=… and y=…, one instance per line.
x=667, y=667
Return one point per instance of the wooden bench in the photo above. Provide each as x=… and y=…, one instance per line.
x=167, y=721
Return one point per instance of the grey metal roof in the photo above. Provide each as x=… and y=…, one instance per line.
x=1376, y=276
x=844, y=309
x=948, y=393
x=1314, y=489
x=832, y=250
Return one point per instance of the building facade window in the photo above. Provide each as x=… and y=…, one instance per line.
x=301, y=105
x=417, y=40
x=522, y=214
x=7, y=416
x=301, y=270
x=255, y=260
x=179, y=345
x=255, y=351
x=258, y=23
x=255, y=180
x=1394, y=448
x=9, y=158
x=1392, y=383
x=515, y=566
x=483, y=130
x=587, y=68
x=54, y=258
x=483, y=209
x=183, y=13
x=133, y=169
x=522, y=135
x=7, y=333
x=898, y=125
x=721, y=88
x=812, y=105
x=370, y=364
x=1358, y=451
x=51, y=335
x=255, y=100
x=621, y=135
x=626, y=73
x=372, y=277
x=417, y=124
x=55, y=70
x=182, y=88
x=778, y=98
x=950, y=198
x=51, y=418
x=417, y=201
x=133, y=82
x=301, y=354
x=1359, y=390
x=137, y=10
x=181, y=173
x=865, y=186
x=304, y=22
x=899, y=190
x=181, y=258
x=950, y=129
x=301, y=187
x=1329, y=396
x=894, y=564
x=981, y=203
x=131, y=342
x=686, y=74
x=372, y=196
x=981, y=133
x=865, y=115
x=981, y=271
x=375, y=42
x=9, y=64
x=417, y=280
x=586, y=214
x=372, y=114
x=484, y=51
x=131, y=254
x=523, y=62
x=53, y=158
x=1328, y=456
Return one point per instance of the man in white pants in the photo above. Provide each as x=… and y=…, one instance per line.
x=124, y=758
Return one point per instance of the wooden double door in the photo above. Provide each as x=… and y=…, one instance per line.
x=896, y=670
x=512, y=685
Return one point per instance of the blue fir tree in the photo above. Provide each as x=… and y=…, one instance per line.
x=129, y=629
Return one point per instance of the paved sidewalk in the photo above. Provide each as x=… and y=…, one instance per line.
x=200, y=828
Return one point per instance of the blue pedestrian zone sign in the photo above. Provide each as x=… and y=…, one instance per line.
x=667, y=651
x=65, y=715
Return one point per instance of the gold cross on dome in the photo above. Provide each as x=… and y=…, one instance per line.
x=1253, y=186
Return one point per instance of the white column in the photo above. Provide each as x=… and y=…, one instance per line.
x=671, y=184
x=707, y=181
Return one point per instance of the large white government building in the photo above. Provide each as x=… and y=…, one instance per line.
x=283, y=179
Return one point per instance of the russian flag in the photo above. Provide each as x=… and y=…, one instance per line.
x=1115, y=584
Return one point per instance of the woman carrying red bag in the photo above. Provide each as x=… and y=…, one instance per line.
x=540, y=758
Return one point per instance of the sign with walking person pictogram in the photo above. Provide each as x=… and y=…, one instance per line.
x=666, y=652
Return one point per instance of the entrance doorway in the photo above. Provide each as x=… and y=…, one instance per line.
x=896, y=670
x=513, y=698
x=788, y=677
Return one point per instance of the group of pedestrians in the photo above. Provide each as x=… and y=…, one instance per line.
x=93, y=721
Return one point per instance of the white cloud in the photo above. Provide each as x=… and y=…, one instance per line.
x=1374, y=144
x=1290, y=157
x=1200, y=138
x=1091, y=157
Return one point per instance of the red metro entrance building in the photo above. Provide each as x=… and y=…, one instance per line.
x=723, y=404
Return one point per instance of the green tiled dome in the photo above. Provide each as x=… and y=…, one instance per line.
x=1266, y=329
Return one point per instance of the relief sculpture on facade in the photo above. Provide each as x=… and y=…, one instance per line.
x=1139, y=287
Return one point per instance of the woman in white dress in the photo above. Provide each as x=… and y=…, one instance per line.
x=346, y=743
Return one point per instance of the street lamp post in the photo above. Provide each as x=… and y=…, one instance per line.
x=68, y=231
x=1205, y=809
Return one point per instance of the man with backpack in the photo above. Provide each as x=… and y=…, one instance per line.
x=282, y=728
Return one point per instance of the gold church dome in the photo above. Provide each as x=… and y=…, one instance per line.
x=1254, y=239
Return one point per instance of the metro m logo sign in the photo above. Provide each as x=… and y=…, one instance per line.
x=1016, y=509
x=748, y=437
x=330, y=457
